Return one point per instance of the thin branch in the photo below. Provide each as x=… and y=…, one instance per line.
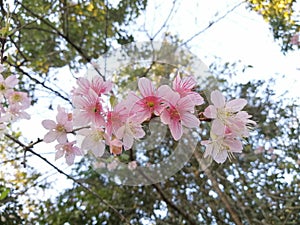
x=28, y=148
x=215, y=185
x=211, y=24
x=57, y=93
x=165, y=22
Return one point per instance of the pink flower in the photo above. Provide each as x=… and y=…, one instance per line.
x=19, y=99
x=58, y=131
x=178, y=113
x=184, y=88
x=69, y=150
x=88, y=109
x=116, y=118
x=150, y=103
x=131, y=130
x=94, y=140
x=96, y=84
x=7, y=85
x=14, y=112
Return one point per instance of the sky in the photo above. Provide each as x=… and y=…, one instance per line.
x=241, y=36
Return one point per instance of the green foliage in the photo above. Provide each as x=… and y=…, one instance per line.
x=283, y=18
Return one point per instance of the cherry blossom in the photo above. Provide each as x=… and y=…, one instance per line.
x=68, y=150
x=94, y=140
x=7, y=85
x=221, y=147
x=150, y=103
x=132, y=129
x=184, y=88
x=88, y=109
x=178, y=113
x=19, y=99
x=96, y=84
x=116, y=118
x=58, y=130
x=229, y=114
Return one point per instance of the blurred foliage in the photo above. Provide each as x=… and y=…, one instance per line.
x=17, y=184
x=284, y=20
x=42, y=35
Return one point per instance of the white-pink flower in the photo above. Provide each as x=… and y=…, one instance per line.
x=68, y=150
x=58, y=130
x=7, y=85
x=178, y=113
x=94, y=140
x=131, y=130
x=14, y=112
x=229, y=114
x=19, y=99
x=185, y=88
x=221, y=147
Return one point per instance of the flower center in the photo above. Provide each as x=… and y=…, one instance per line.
x=60, y=128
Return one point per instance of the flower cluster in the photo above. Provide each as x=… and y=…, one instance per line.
x=117, y=126
x=13, y=103
x=101, y=125
x=229, y=126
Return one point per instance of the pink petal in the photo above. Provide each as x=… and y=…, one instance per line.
x=218, y=99
x=139, y=132
x=120, y=132
x=70, y=158
x=210, y=112
x=176, y=130
x=49, y=124
x=209, y=148
x=189, y=120
x=221, y=156
x=11, y=81
x=50, y=136
x=186, y=103
x=98, y=150
x=236, y=105
x=218, y=127
x=62, y=138
x=59, y=154
x=146, y=87
x=165, y=117
x=176, y=82
x=167, y=94
x=234, y=145
x=127, y=142
x=196, y=98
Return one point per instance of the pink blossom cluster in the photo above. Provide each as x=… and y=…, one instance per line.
x=13, y=103
x=229, y=126
x=117, y=126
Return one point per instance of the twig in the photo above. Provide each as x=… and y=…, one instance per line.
x=211, y=24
